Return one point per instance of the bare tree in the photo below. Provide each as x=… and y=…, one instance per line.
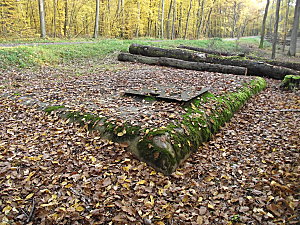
x=54, y=17
x=187, y=19
x=200, y=17
x=293, y=46
x=275, y=29
x=66, y=18
x=173, y=20
x=162, y=18
x=96, y=27
x=169, y=20
x=42, y=18
x=263, y=27
x=285, y=29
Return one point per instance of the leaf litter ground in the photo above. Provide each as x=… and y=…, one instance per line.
x=101, y=91
x=52, y=172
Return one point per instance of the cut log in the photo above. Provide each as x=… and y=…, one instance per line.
x=168, y=53
x=209, y=51
x=253, y=68
x=181, y=64
x=290, y=65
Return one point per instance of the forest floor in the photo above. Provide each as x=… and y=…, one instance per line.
x=52, y=172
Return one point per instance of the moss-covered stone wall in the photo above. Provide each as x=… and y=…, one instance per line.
x=166, y=148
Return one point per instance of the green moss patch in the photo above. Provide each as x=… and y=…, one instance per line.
x=50, y=109
x=290, y=82
x=165, y=149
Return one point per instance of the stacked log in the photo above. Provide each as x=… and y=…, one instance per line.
x=212, y=52
x=192, y=60
x=181, y=64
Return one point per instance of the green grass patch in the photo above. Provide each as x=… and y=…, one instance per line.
x=28, y=56
x=254, y=41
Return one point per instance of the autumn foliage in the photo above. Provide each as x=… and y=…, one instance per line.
x=133, y=18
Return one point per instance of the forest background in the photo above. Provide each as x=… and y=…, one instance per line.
x=127, y=19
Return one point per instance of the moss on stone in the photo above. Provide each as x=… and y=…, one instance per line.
x=196, y=127
x=82, y=118
x=50, y=109
x=159, y=158
x=290, y=82
x=166, y=148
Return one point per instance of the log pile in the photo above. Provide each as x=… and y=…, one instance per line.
x=212, y=52
x=222, y=62
x=182, y=64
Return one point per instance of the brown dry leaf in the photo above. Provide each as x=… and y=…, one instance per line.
x=106, y=182
x=200, y=220
x=274, y=209
x=77, y=177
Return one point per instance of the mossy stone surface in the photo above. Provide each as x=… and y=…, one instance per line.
x=290, y=82
x=166, y=148
x=50, y=109
x=196, y=127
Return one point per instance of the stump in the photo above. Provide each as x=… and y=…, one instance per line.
x=290, y=82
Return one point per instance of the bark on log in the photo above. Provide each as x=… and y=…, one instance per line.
x=213, y=52
x=290, y=65
x=161, y=52
x=181, y=64
x=253, y=68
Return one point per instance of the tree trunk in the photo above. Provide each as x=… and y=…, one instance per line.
x=173, y=20
x=187, y=19
x=208, y=18
x=149, y=20
x=138, y=20
x=96, y=27
x=208, y=51
x=285, y=29
x=200, y=18
x=54, y=17
x=162, y=18
x=180, y=21
x=234, y=19
x=253, y=68
x=66, y=18
x=290, y=65
x=42, y=18
x=181, y=64
x=293, y=45
x=168, y=21
x=275, y=30
x=263, y=27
